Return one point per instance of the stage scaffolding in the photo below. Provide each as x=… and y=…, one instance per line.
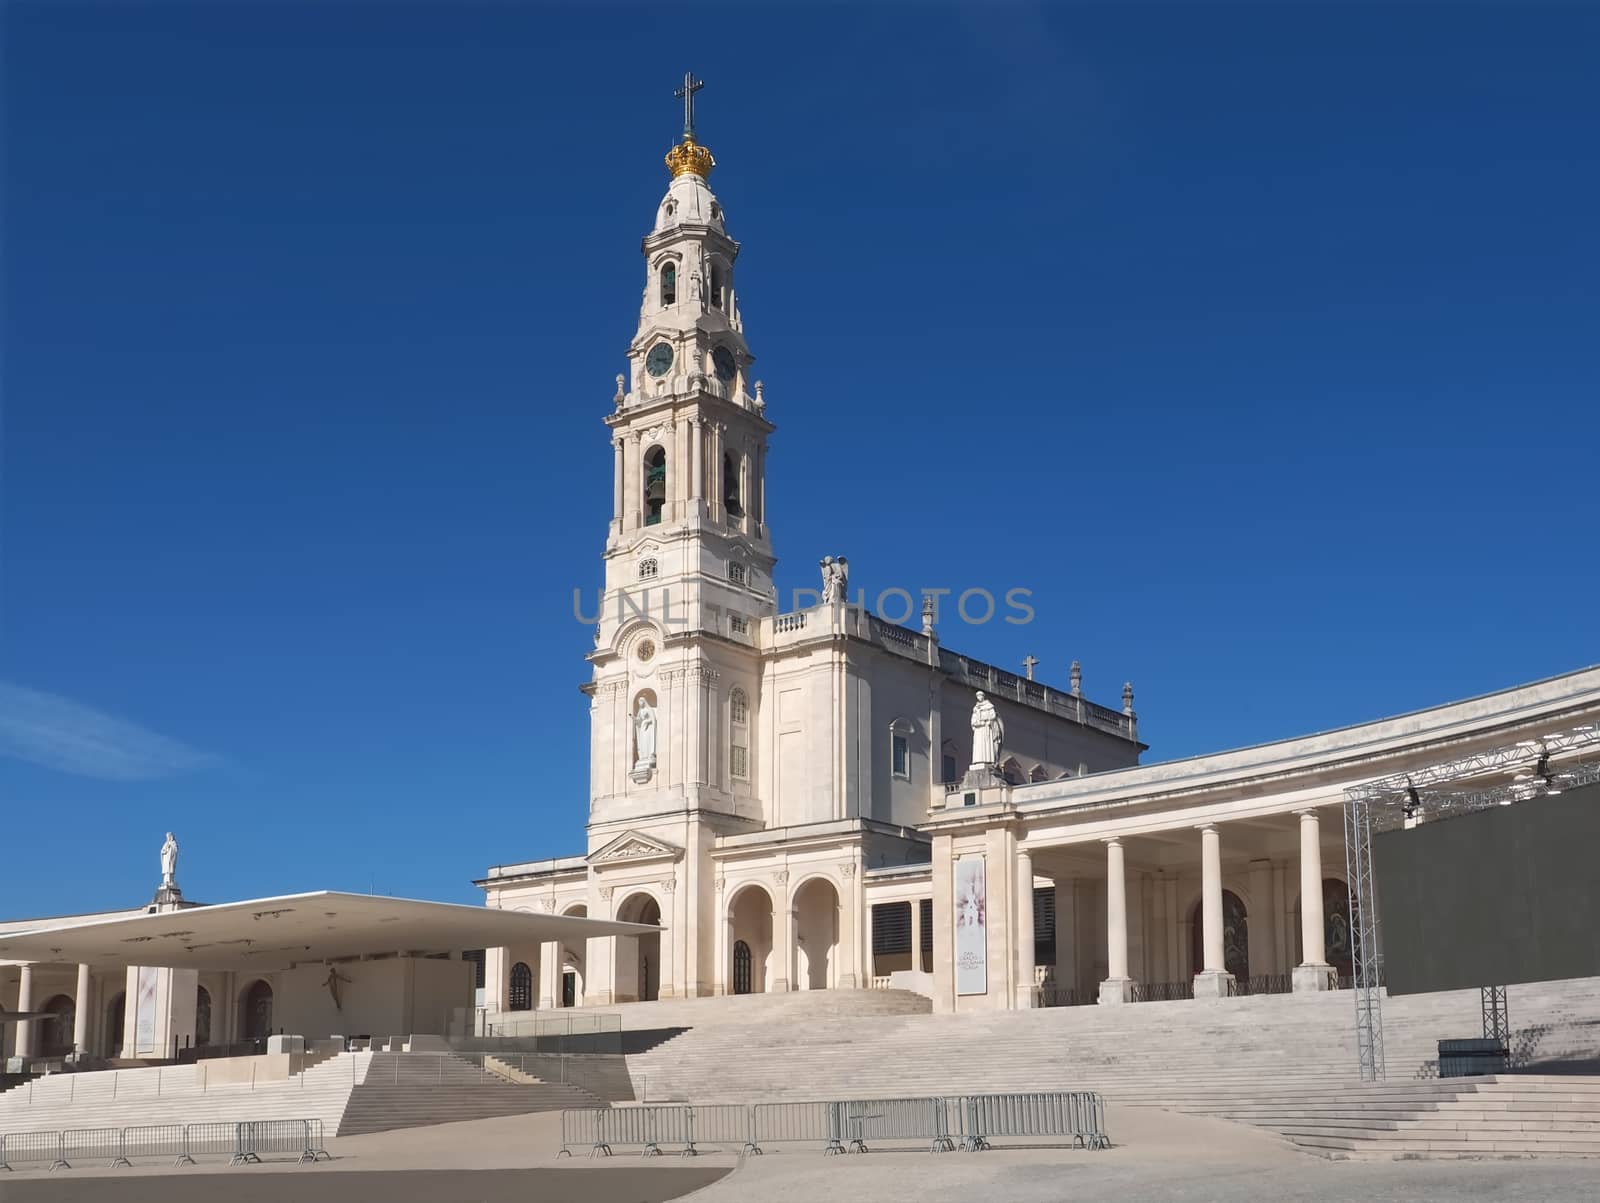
x=1531, y=768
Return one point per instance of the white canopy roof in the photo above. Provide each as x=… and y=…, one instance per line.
x=272, y=933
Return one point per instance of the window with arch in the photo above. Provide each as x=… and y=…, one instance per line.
x=730, y=486
x=900, y=748
x=521, y=987
x=739, y=735
x=648, y=568
x=669, y=281
x=719, y=281
x=741, y=967
x=655, y=485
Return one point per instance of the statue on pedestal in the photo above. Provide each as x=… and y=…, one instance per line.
x=644, y=740
x=988, y=733
x=169, y=861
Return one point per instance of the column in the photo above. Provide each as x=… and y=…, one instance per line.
x=1173, y=970
x=1117, y=988
x=944, y=961
x=25, y=1003
x=549, y=975
x=916, y=934
x=1263, y=919
x=723, y=939
x=616, y=488
x=785, y=906
x=1066, y=944
x=1313, y=972
x=714, y=473
x=678, y=471
x=1213, y=978
x=697, y=460
x=760, y=498
x=83, y=1008
x=1023, y=994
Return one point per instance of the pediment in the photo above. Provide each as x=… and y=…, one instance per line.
x=634, y=846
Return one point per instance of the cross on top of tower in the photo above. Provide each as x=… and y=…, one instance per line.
x=691, y=85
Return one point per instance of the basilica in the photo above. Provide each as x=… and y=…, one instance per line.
x=822, y=799
x=810, y=797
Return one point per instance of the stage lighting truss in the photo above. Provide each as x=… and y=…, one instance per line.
x=1519, y=772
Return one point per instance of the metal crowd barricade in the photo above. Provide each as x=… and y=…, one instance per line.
x=103, y=1145
x=255, y=1137
x=723, y=1124
x=579, y=1128
x=19, y=1148
x=895, y=1119
x=808, y=1123
x=155, y=1140
x=1079, y=1115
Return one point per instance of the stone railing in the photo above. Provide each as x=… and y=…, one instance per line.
x=899, y=639
x=880, y=983
x=784, y=623
x=1031, y=693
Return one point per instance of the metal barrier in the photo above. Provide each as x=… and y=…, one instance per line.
x=241, y=1143
x=840, y=1127
x=1076, y=1114
x=861, y=1120
x=808, y=1123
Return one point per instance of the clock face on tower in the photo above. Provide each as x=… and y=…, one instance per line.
x=722, y=360
x=659, y=359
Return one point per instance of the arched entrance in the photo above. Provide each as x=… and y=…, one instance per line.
x=750, y=926
x=638, y=968
x=1235, y=937
x=202, y=1015
x=521, y=987
x=255, y=1011
x=816, y=909
x=56, y=1038
x=572, y=961
x=116, y=1014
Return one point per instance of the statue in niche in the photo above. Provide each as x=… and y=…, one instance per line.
x=644, y=737
x=169, y=861
x=988, y=733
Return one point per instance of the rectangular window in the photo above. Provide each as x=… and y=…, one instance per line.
x=738, y=624
x=736, y=573
x=740, y=762
x=902, y=757
x=891, y=928
x=950, y=768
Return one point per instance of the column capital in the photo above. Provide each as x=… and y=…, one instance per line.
x=1307, y=812
x=1205, y=826
x=1111, y=841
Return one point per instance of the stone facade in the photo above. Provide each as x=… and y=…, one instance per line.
x=808, y=764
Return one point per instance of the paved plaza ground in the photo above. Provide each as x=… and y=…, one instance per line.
x=1157, y=1156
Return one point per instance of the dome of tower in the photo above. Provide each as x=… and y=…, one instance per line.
x=689, y=201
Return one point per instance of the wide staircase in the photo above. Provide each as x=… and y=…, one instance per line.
x=350, y=1093
x=404, y=1090
x=181, y=1094
x=1289, y=1054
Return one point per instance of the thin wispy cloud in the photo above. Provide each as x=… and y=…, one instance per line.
x=56, y=733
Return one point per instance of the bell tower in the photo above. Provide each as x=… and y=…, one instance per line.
x=688, y=556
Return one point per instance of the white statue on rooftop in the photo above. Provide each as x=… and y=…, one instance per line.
x=988, y=733
x=169, y=861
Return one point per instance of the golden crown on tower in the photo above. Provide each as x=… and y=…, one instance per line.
x=690, y=156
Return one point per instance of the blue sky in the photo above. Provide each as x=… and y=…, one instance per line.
x=1258, y=342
